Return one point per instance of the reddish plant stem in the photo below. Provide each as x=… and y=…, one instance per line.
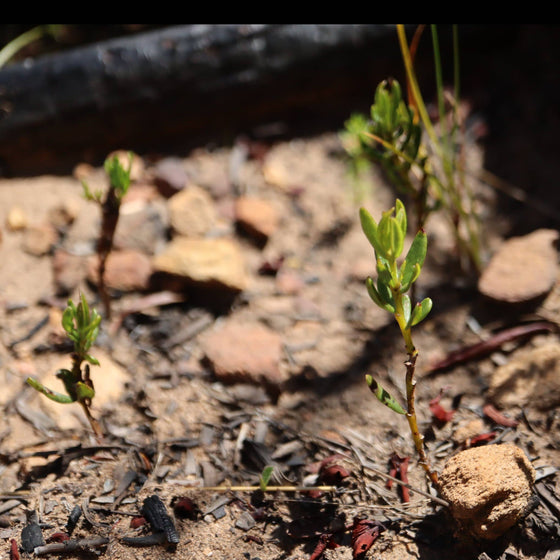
x=412, y=419
x=110, y=216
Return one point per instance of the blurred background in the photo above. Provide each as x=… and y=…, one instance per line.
x=78, y=93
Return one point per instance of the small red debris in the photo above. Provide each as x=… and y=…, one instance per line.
x=14, y=552
x=185, y=507
x=398, y=468
x=438, y=412
x=364, y=534
x=326, y=540
x=59, y=537
x=496, y=416
x=136, y=522
x=488, y=436
x=333, y=474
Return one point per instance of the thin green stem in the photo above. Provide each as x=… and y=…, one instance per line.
x=20, y=42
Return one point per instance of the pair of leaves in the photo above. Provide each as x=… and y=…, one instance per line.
x=77, y=391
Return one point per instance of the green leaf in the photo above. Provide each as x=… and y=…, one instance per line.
x=406, y=307
x=374, y=295
x=412, y=265
x=390, y=236
x=400, y=217
x=369, y=228
x=49, y=393
x=265, y=477
x=420, y=311
x=384, y=396
x=68, y=320
x=84, y=392
x=384, y=282
x=90, y=359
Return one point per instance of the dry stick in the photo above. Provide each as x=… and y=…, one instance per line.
x=366, y=464
x=71, y=546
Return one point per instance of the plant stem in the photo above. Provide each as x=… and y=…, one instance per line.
x=110, y=216
x=410, y=364
x=412, y=419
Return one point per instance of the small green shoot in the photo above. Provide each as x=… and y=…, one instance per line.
x=119, y=182
x=82, y=327
x=264, y=478
x=420, y=160
x=395, y=277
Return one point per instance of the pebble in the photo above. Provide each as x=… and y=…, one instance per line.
x=532, y=376
x=16, y=220
x=39, y=239
x=256, y=217
x=244, y=353
x=69, y=270
x=192, y=212
x=205, y=262
x=170, y=176
x=488, y=488
x=142, y=226
x=126, y=270
x=523, y=269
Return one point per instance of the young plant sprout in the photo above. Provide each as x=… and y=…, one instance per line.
x=422, y=161
x=394, y=280
x=119, y=182
x=82, y=327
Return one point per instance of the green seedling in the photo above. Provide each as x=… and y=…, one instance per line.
x=82, y=327
x=395, y=277
x=119, y=182
x=421, y=161
x=265, y=477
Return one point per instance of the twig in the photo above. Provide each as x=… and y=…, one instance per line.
x=71, y=546
x=485, y=347
x=254, y=488
x=368, y=465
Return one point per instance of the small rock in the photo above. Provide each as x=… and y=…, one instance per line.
x=69, y=270
x=244, y=353
x=16, y=220
x=468, y=430
x=488, y=488
x=530, y=377
x=289, y=282
x=63, y=215
x=245, y=521
x=170, y=176
x=192, y=212
x=39, y=239
x=142, y=226
x=523, y=269
x=256, y=217
x=206, y=262
x=126, y=271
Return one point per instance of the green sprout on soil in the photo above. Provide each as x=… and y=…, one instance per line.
x=422, y=161
x=119, y=182
x=394, y=280
x=265, y=477
x=82, y=327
